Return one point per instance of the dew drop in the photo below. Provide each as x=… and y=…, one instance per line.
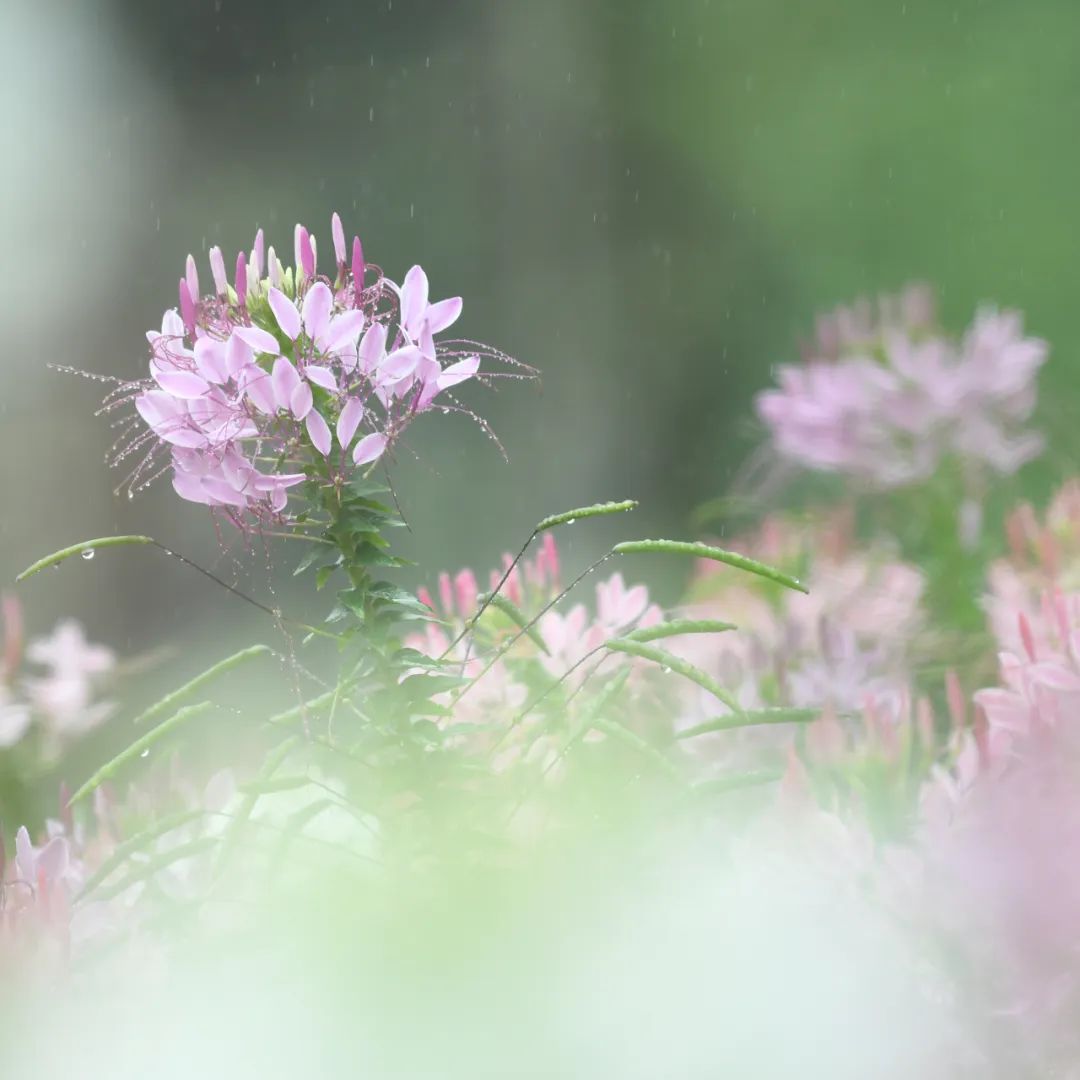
x=88, y=553
x=145, y=753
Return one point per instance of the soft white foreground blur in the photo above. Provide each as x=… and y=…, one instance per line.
x=670, y=962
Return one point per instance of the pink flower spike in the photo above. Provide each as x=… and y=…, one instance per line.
x=338, y=234
x=192, y=276
x=318, y=432
x=357, y=266
x=217, y=268
x=288, y=318
x=369, y=448
x=349, y=421
x=187, y=308
x=466, y=590
x=241, y=279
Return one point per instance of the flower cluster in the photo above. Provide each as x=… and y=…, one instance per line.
x=61, y=692
x=884, y=397
x=285, y=372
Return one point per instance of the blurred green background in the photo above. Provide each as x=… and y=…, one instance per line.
x=647, y=200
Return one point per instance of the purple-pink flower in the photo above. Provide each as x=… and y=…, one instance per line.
x=273, y=379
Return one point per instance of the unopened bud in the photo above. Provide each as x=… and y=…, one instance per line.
x=273, y=267
x=257, y=254
x=358, y=266
x=338, y=234
x=192, y=277
x=187, y=307
x=241, y=279
x=217, y=268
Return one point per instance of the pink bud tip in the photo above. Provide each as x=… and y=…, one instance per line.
x=305, y=255
x=187, y=307
x=241, y=279
x=192, y=277
x=257, y=253
x=358, y=266
x=217, y=268
x=338, y=234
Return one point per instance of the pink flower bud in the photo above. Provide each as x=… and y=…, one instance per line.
x=465, y=591
x=424, y=597
x=273, y=266
x=241, y=279
x=217, y=268
x=307, y=253
x=357, y=266
x=338, y=234
x=187, y=308
x=257, y=254
x=192, y=277
x=446, y=593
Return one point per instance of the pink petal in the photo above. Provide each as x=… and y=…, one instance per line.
x=459, y=372
x=182, y=384
x=343, y=330
x=399, y=364
x=288, y=318
x=369, y=448
x=238, y=354
x=349, y=421
x=443, y=314
x=338, y=233
x=284, y=379
x=210, y=359
x=414, y=298
x=318, y=432
x=258, y=387
x=260, y=340
x=317, y=305
x=320, y=376
x=372, y=347
x=301, y=401
x=157, y=407
x=357, y=266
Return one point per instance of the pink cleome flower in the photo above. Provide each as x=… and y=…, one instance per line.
x=885, y=396
x=264, y=382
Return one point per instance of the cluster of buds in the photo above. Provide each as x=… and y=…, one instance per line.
x=286, y=373
x=885, y=396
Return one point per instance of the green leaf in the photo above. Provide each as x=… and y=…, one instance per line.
x=704, y=551
x=679, y=626
x=91, y=546
x=752, y=718
x=138, y=748
x=674, y=663
x=596, y=510
x=230, y=662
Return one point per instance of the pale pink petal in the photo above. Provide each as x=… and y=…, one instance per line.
x=182, y=384
x=459, y=372
x=338, y=233
x=258, y=387
x=210, y=359
x=320, y=376
x=372, y=347
x=285, y=379
x=317, y=305
x=414, y=300
x=260, y=340
x=343, y=331
x=349, y=420
x=318, y=432
x=399, y=364
x=301, y=401
x=369, y=448
x=288, y=318
x=238, y=354
x=443, y=314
